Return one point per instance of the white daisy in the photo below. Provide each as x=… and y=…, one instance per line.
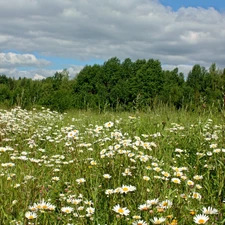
x=201, y=219
x=120, y=210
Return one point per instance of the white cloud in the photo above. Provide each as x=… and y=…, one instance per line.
x=37, y=74
x=185, y=69
x=38, y=77
x=12, y=60
x=101, y=29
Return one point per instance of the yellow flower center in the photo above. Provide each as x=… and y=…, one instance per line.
x=120, y=210
x=201, y=221
x=160, y=210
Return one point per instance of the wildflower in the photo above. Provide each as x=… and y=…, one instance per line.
x=93, y=163
x=183, y=177
x=217, y=150
x=80, y=180
x=190, y=183
x=153, y=201
x=165, y=174
x=44, y=205
x=148, y=167
x=166, y=204
x=30, y=215
x=183, y=196
x=179, y=150
x=178, y=173
x=198, y=177
x=157, y=169
x=74, y=201
x=175, y=180
x=146, y=178
x=51, y=207
x=209, y=210
x=213, y=146
x=201, y=219
x=174, y=222
x=125, y=189
x=90, y=210
x=120, y=210
x=107, y=176
x=196, y=195
x=160, y=209
x=73, y=133
x=55, y=178
x=16, y=185
x=67, y=209
x=144, y=207
x=127, y=172
x=108, y=124
x=192, y=212
x=139, y=222
x=80, y=208
x=156, y=220
x=136, y=217
x=14, y=202
x=198, y=186
x=109, y=191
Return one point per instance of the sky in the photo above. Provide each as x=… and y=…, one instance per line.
x=40, y=37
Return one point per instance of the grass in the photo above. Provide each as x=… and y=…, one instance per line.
x=160, y=167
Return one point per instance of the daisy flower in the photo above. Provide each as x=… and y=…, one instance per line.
x=80, y=180
x=165, y=174
x=109, y=191
x=30, y=215
x=190, y=183
x=136, y=217
x=67, y=209
x=146, y=178
x=198, y=177
x=139, y=222
x=175, y=180
x=165, y=204
x=156, y=220
x=201, y=219
x=108, y=124
x=144, y=207
x=153, y=201
x=209, y=210
x=196, y=195
x=107, y=176
x=122, y=211
x=125, y=189
x=90, y=210
x=55, y=178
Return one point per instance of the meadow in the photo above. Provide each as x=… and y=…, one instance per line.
x=81, y=167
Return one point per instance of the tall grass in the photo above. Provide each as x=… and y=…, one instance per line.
x=158, y=167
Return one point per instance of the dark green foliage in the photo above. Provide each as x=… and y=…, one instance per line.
x=117, y=85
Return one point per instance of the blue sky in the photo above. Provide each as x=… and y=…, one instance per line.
x=40, y=37
x=176, y=4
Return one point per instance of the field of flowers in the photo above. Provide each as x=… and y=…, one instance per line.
x=86, y=168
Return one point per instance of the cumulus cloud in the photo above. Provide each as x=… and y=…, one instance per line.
x=38, y=74
x=101, y=29
x=19, y=60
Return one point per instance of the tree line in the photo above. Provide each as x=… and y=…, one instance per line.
x=117, y=85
